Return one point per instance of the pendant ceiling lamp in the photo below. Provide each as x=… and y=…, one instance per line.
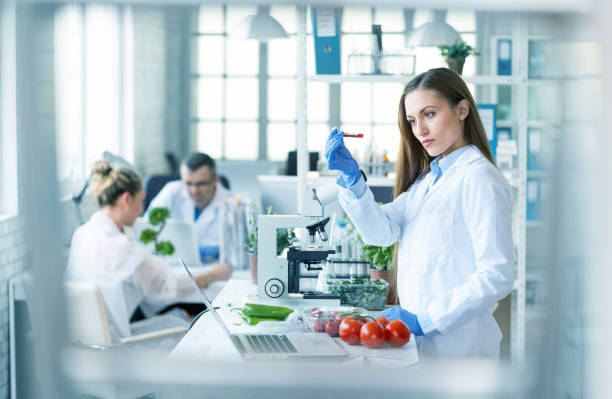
x=434, y=32
x=260, y=26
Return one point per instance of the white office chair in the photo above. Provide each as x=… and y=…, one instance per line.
x=88, y=320
x=89, y=328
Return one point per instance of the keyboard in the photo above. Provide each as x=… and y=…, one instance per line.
x=270, y=343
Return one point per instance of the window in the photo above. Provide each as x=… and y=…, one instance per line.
x=8, y=116
x=227, y=86
x=88, y=90
x=228, y=77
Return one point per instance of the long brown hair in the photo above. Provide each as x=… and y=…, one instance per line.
x=412, y=159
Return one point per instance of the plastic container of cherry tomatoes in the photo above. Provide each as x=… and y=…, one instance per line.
x=327, y=319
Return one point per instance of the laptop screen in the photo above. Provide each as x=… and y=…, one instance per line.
x=205, y=299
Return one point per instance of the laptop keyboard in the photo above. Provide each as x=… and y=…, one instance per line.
x=270, y=343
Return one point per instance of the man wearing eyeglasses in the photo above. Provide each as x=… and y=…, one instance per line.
x=197, y=197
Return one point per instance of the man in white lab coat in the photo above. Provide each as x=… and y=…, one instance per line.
x=197, y=198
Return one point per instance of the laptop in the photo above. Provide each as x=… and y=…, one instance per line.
x=181, y=234
x=274, y=346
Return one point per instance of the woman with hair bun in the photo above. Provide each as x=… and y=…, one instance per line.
x=124, y=270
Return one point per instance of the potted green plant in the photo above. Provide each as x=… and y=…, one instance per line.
x=157, y=217
x=284, y=239
x=455, y=54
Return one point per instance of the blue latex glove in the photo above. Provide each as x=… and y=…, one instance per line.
x=397, y=313
x=340, y=158
x=209, y=252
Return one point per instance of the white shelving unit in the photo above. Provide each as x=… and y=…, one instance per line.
x=519, y=82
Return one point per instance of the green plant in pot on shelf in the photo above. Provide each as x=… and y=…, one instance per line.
x=157, y=217
x=455, y=54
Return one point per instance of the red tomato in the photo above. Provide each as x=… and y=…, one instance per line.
x=383, y=321
x=397, y=333
x=332, y=328
x=349, y=330
x=372, y=334
x=319, y=326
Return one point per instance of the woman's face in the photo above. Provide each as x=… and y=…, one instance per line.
x=436, y=125
x=133, y=208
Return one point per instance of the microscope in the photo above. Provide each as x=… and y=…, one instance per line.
x=278, y=276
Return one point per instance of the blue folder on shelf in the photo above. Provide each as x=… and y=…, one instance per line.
x=326, y=33
x=504, y=57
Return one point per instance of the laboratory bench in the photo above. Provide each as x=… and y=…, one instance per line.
x=206, y=341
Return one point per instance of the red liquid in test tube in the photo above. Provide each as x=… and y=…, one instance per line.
x=355, y=135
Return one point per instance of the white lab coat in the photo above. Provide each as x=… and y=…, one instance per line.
x=175, y=197
x=124, y=270
x=455, y=257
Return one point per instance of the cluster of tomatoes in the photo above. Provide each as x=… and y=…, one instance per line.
x=373, y=334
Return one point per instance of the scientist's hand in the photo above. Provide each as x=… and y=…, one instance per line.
x=397, y=313
x=220, y=272
x=340, y=158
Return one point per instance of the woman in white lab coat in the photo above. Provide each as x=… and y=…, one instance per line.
x=124, y=270
x=451, y=218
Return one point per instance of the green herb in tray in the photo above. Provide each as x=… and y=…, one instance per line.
x=365, y=293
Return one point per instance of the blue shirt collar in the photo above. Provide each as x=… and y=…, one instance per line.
x=442, y=163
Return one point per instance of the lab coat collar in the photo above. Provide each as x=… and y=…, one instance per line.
x=100, y=218
x=220, y=194
x=469, y=155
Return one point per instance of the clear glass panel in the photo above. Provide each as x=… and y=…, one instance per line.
x=356, y=44
x=387, y=140
x=211, y=18
x=355, y=102
x=317, y=136
x=242, y=57
x=210, y=55
x=391, y=19
x=236, y=13
x=281, y=140
x=543, y=102
x=420, y=17
x=102, y=81
x=281, y=99
x=318, y=102
x=386, y=102
x=209, y=138
x=210, y=97
x=282, y=57
x=241, y=98
x=462, y=21
x=357, y=19
x=241, y=140
x=286, y=16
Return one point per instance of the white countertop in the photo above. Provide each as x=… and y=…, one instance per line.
x=207, y=342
